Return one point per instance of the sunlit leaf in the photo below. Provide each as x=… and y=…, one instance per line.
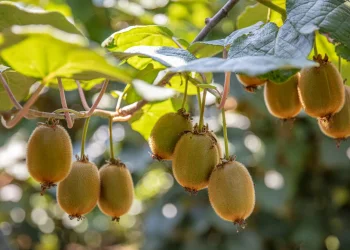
x=149, y=35
x=19, y=85
x=12, y=14
x=46, y=53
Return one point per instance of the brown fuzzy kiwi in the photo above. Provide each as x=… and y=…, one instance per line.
x=117, y=190
x=321, y=89
x=338, y=126
x=231, y=192
x=166, y=133
x=195, y=156
x=79, y=192
x=282, y=100
x=49, y=154
x=250, y=83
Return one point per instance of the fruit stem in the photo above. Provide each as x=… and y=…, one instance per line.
x=83, y=139
x=274, y=7
x=224, y=127
x=185, y=94
x=268, y=15
x=111, y=139
x=199, y=97
x=339, y=64
x=201, y=117
x=315, y=47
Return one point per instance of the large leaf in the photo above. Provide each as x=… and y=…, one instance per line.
x=249, y=65
x=150, y=35
x=161, y=57
x=284, y=42
x=270, y=40
x=46, y=53
x=213, y=47
x=19, y=85
x=327, y=16
x=144, y=120
x=12, y=14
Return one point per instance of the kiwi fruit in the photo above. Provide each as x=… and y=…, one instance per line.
x=282, y=100
x=195, y=156
x=250, y=83
x=117, y=190
x=338, y=127
x=49, y=154
x=166, y=133
x=231, y=192
x=79, y=192
x=321, y=89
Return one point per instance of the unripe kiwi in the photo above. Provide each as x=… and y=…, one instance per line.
x=282, y=100
x=166, y=133
x=250, y=83
x=321, y=89
x=195, y=156
x=117, y=190
x=49, y=154
x=231, y=192
x=79, y=192
x=338, y=126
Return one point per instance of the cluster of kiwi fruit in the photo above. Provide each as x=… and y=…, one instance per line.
x=320, y=91
x=197, y=163
x=81, y=185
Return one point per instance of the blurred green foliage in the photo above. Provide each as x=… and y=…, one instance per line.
x=301, y=178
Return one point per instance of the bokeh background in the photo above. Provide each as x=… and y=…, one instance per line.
x=302, y=179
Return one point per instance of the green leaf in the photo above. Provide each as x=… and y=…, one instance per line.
x=151, y=35
x=249, y=65
x=270, y=40
x=144, y=120
x=12, y=14
x=19, y=85
x=284, y=42
x=327, y=16
x=152, y=93
x=251, y=15
x=160, y=57
x=46, y=53
x=343, y=51
x=213, y=47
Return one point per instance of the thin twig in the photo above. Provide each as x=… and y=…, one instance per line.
x=226, y=85
x=9, y=92
x=212, y=22
x=99, y=97
x=22, y=112
x=82, y=96
x=64, y=102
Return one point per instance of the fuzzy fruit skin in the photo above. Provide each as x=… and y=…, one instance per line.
x=321, y=90
x=79, y=192
x=250, y=81
x=195, y=156
x=49, y=154
x=231, y=192
x=338, y=126
x=166, y=133
x=282, y=100
x=117, y=190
